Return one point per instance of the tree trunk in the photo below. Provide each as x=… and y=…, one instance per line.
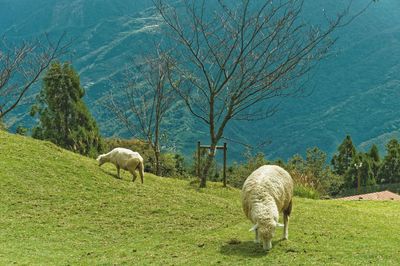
x=157, y=145
x=207, y=165
x=157, y=158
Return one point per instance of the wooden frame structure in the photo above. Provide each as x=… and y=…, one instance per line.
x=199, y=147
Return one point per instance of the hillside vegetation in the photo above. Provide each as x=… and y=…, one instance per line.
x=57, y=207
x=354, y=91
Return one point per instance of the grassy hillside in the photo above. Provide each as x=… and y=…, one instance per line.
x=57, y=207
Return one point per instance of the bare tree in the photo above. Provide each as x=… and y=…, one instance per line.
x=21, y=66
x=237, y=56
x=146, y=98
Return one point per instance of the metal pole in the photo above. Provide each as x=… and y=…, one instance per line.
x=358, y=166
x=224, y=164
x=198, y=159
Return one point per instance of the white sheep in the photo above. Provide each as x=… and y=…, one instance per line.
x=265, y=193
x=125, y=159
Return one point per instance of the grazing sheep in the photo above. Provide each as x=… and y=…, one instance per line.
x=125, y=159
x=265, y=193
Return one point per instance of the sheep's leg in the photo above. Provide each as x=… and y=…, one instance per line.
x=286, y=226
x=286, y=214
x=133, y=176
x=256, y=240
x=118, y=168
x=141, y=170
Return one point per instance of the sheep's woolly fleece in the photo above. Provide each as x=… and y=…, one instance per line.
x=266, y=192
x=125, y=159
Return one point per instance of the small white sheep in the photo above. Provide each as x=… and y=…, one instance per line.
x=265, y=193
x=125, y=159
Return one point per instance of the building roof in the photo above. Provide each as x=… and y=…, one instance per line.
x=383, y=195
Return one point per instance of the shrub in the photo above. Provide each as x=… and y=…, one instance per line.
x=314, y=173
x=2, y=126
x=237, y=173
x=306, y=192
x=21, y=130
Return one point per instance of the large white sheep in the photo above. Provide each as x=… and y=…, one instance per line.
x=125, y=159
x=265, y=193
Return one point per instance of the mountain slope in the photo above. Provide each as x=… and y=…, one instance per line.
x=57, y=207
x=354, y=91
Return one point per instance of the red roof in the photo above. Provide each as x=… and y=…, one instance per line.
x=383, y=195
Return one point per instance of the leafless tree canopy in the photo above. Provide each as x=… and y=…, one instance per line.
x=21, y=65
x=145, y=99
x=235, y=56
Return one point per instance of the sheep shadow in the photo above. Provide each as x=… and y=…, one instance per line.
x=246, y=249
x=111, y=174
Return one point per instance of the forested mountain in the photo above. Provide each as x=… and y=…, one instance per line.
x=354, y=91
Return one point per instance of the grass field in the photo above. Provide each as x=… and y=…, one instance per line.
x=59, y=208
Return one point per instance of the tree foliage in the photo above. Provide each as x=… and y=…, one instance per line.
x=314, y=172
x=375, y=161
x=342, y=160
x=390, y=169
x=64, y=117
x=360, y=168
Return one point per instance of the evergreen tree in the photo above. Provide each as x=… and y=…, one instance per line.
x=389, y=172
x=317, y=166
x=316, y=162
x=314, y=172
x=342, y=160
x=64, y=117
x=361, y=166
x=373, y=154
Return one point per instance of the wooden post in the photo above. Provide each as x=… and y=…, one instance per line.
x=198, y=159
x=200, y=147
x=224, y=164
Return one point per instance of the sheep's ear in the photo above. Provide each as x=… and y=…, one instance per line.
x=254, y=227
x=98, y=158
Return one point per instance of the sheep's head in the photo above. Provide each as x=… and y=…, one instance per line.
x=266, y=231
x=101, y=160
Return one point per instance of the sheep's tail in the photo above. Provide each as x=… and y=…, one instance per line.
x=141, y=170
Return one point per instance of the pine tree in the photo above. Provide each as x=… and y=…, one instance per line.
x=373, y=154
x=361, y=166
x=64, y=117
x=342, y=160
x=389, y=171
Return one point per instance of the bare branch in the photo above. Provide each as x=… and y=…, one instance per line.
x=237, y=57
x=22, y=66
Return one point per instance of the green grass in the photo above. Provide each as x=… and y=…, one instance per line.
x=60, y=208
